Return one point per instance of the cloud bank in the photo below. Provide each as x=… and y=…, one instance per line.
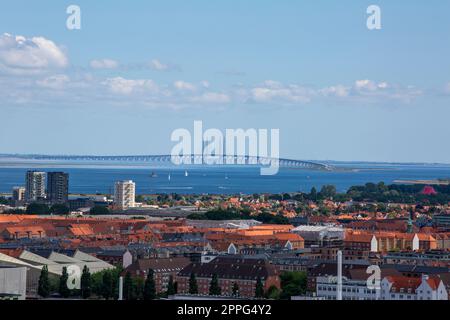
x=41, y=75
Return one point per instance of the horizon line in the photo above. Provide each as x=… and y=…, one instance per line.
x=3, y=155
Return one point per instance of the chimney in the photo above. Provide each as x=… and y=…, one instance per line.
x=339, y=276
x=120, y=288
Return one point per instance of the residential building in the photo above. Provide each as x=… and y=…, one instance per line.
x=352, y=289
x=124, y=194
x=21, y=232
x=244, y=271
x=442, y=220
x=18, y=194
x=122, y=258
x=407, y=288
x=388, y=241
x=419, y=258
x=35, y=186
x=57, y=187
x=163, y=269
x=325, y=269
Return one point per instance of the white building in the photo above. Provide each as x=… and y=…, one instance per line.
x=35, y=185
x=13, y=283
x=124, y=194
x=18, y=193
x=351, y=289
x=320, y=234
x=406, y=288
x=33, y=263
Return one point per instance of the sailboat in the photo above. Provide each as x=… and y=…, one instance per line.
x=186, y=173
x=168, y=178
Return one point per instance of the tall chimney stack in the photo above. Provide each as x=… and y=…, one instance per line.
x=339, y=276
x=120, y=288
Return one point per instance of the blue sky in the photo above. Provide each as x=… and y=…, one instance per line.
x=140, y=69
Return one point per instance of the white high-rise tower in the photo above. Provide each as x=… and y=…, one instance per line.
x=124, y=194
x=35, y=186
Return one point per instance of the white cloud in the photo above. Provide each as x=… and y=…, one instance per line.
x=23, y=56
x=273, y=91
x=54, y=82
x=124, y=86
x=361, y=91
x=365, y=85
x=212, y=97
x=104, y=64
x=157, y=65
x=337, y=91
x=183, y=85
x=368, y=85
x=85, y=88
x=372, y=91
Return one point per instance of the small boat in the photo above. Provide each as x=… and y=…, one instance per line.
x=153, y=175
x=226, y=177
x=168, y=178
x=186, y=173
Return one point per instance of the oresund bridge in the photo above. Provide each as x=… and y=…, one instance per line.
x=185, y=160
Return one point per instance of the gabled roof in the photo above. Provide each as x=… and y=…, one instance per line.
x=400, y=283
x=164, y=264
x=81, y=229
x=231, y=268
x=363, y=237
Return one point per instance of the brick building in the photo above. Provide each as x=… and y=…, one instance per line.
x=162, y=268
x=229, y=270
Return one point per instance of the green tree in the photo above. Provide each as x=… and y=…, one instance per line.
x=193, y=287
x=99, y=210
x=235, y=289
x=313, y=194
x=86, y=283
x=37, y=208
x=214, y=288
x=64, y=291
x=44, y=283
x=273, y=293
x=328, y=191
x=60, y=209
x=171, y=286
x=150, y=287
x=139, y=198
x=259, y=290
x=293, y=283
x=138, y=289
x=127, y=287
x=107, y=290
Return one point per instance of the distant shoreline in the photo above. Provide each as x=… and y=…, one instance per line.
x=427, y=182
